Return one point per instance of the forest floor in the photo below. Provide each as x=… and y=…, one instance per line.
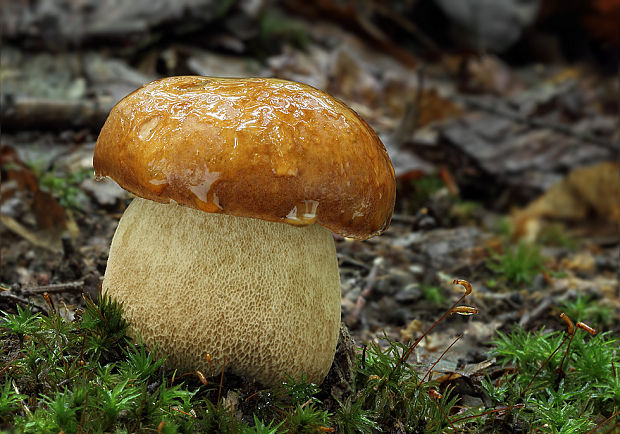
x=507, y=177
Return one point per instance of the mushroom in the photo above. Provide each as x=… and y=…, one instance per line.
x=225, y=257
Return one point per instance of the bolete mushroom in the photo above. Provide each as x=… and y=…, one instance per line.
x=227, y=248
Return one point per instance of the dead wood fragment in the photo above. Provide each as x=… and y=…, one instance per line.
x=538, y=310
x=354, y=316
x=22, y=112
x=22, y=301
x=55, y=288
x=496, y=108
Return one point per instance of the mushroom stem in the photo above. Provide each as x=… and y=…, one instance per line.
x=263, y=296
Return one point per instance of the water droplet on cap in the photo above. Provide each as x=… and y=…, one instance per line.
x=303, y=214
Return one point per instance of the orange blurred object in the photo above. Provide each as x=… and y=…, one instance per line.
x=603, y=22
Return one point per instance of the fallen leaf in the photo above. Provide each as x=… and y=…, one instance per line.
x=16, y=169
x=49, y=214
x=599, y=187
x=47, y=239
x=585, y=190
x=583, y=262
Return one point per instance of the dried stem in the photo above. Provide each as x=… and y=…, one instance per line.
x=465, y=284
x=436, y=396
x=54, y=319
x=219, y=392
x=571, y=332
x=440, y=357
x=571, y=329
x=603, y=423
x=496, y=410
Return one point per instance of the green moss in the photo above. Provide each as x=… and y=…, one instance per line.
x=86, y=375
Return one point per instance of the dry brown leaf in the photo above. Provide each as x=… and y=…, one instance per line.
x=48, y=212
x=433, y=108
x=583, y=262
x=585, y=190
x=412, y=329
x=488, y=73
x=599, y=187
x=17, y=170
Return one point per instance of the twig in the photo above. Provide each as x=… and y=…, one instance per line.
x=346, y=258
x=566, y=130
x=411, y=118
x=405, y=218
x=361, y=299
x=28, y=112
x=55, y=288
x=21, y=401
x=22, y=301
x=528, y=316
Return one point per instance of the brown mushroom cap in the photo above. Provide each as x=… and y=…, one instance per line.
x=262, y=148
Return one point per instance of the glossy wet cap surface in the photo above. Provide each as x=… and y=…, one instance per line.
x=261, y=148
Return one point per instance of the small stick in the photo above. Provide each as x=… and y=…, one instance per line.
x=410, y=120
x=404, y=218
x=20, y=300
x=55, y=288
x=346, y=258
x=361, y=299
x=538, y=310
x=21, y=401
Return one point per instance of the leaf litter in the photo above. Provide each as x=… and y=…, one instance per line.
x=522, y=153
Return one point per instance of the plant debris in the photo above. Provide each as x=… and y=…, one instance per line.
x=506, y=158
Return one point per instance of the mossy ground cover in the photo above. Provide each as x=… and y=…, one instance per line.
x=86, y=375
